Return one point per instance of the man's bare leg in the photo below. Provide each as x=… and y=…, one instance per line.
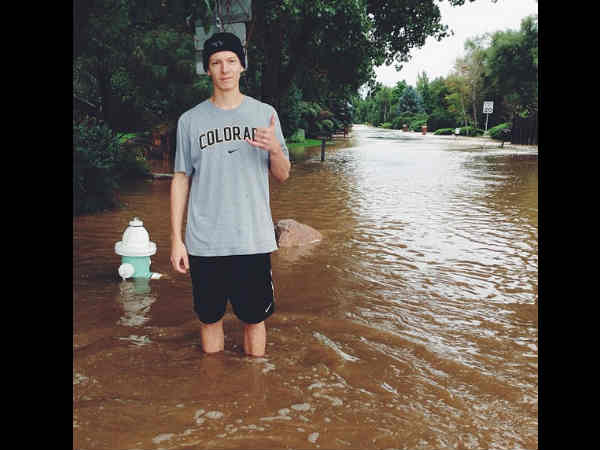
x=255, y=339
x=213, y=337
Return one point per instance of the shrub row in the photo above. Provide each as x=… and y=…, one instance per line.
x=444, y=131
x=464, y=131
x=502, y=132
x=100, y=163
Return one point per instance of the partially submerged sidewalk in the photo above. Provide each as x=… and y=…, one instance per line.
x=477, y=141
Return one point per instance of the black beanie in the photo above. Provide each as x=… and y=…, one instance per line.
x=219, y=42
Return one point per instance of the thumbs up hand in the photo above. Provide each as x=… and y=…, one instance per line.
x=265, y=138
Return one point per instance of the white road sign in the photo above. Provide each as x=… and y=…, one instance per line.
x=488, y=107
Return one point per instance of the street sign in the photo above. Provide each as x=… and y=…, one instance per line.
x=232, y=11
x=488, y=107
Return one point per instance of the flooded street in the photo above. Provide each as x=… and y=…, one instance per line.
x=413, y=324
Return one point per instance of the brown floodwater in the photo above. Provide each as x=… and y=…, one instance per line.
x=413, y=324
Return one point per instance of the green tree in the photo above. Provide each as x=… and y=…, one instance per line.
x=336, y=43
x=425, y=93
x=384, y=103
x=397, y=92
x=440, y=116
x=401, y=25
x=135, y=59
x=99, y=27
x=360, y=107
x=512, y=66
x=410, y=102
x=457, y=97
x=300, y=42
x=472, y=68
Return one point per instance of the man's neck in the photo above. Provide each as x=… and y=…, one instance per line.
x=227, y=99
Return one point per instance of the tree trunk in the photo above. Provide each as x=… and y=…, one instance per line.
x=475, y=121
x=462, y=103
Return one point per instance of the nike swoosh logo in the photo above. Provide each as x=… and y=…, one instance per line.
x=234, y=150
x=268, y=307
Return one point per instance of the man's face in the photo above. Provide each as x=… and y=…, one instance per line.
x=225, y=69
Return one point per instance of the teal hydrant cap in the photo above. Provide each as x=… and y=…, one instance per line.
x=136, y=241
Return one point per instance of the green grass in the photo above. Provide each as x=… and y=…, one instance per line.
x=124, y=137
x=306, y=143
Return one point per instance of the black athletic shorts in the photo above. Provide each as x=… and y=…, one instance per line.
x=244, y=280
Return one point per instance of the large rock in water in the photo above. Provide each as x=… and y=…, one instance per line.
x=290, y=233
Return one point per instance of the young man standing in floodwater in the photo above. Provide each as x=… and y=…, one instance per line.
x=227, y=145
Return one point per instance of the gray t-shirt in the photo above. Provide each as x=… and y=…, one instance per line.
x=229, y=210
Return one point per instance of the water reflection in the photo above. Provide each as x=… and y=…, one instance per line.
x=135, y=298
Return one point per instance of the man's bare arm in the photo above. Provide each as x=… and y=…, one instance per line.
x=179, y=194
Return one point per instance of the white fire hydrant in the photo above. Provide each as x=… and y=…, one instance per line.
x=135, y=250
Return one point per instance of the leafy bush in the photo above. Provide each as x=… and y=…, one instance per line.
x=471, y=131
x=309, y=110
x=407, y=119
x=327, y=125
x=99, y=164
x=322, y=128
x=337, y=123
x=386, y=125
x=416, y=125
x=310, y=115
x=464, y=131
x=441, y=118
x=444, y=131
x=298, y=136
x=290, y=113
x=502, y=132
x=397, y=123
x=412, y=120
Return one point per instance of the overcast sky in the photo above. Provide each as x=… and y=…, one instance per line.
x=467, y=21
